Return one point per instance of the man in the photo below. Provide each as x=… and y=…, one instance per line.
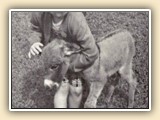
x=73, y=28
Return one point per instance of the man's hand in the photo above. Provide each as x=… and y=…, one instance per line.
x=35, y=49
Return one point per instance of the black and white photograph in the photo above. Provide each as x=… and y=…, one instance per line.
x=79, y=59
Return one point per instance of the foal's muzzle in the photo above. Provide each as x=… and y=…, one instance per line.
x=50, y=83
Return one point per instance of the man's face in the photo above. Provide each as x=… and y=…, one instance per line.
x=58, y=16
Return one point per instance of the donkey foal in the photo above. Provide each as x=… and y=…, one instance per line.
x=116, y=54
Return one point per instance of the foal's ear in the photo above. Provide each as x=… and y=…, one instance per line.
x=67, y=51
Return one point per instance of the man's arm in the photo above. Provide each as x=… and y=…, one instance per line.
x=36, y=32
x=80, y=31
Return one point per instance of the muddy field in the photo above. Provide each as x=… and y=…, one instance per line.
x=27, y=74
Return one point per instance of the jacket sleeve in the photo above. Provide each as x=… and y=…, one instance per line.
x=36, y=33
x=82, y=35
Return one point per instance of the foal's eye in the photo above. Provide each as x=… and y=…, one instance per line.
x=53, y=67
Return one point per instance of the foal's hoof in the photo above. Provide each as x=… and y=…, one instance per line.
x=130, y=106
x=88, y=105
x=101, y=106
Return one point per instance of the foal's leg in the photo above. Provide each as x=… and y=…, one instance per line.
x=132, y=87
x=95, y=90
x=113, y=82
x=110, y=93
x=128, y=75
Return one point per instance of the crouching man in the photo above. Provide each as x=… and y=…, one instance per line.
x=71, y=27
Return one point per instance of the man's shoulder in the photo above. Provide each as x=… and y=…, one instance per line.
x=75, y=17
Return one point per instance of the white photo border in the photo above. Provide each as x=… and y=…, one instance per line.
x=98, y=110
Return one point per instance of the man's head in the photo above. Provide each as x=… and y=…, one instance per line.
x=58, y=15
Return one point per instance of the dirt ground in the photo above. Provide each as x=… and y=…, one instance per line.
x=27, y=74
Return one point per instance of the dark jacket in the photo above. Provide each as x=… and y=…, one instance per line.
x=74, y=29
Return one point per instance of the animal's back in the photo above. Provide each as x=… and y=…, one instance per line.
x=116, y=50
